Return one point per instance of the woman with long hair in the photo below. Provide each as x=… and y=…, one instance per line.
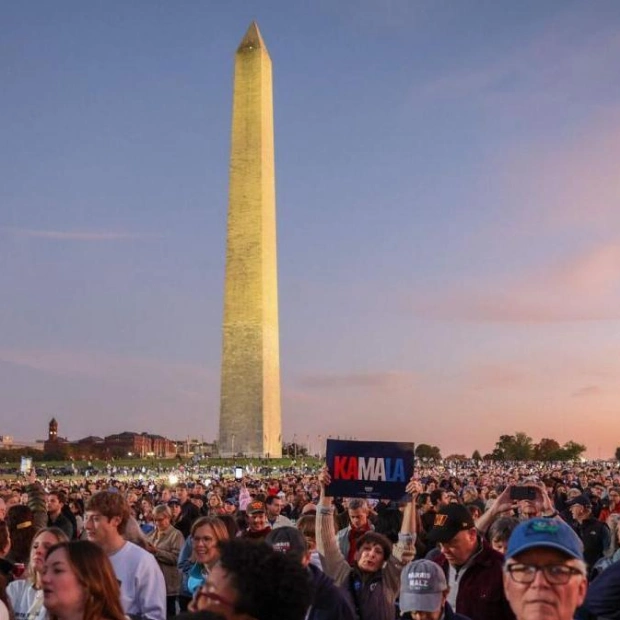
x=26, y=595
x=79, y=583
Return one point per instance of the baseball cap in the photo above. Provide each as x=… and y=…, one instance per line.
x=581, y=500
x=254, y=507
x=544, y=532
x=422, y=584
x=449, y=521
x=288, y=540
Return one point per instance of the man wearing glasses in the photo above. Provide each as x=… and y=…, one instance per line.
x=545, y=573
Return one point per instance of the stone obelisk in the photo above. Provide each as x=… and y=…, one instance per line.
x=250, y=418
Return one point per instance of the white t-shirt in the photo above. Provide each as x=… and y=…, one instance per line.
x=26, y=601
x=143, y=589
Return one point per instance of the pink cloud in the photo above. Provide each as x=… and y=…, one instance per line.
x=373, y=380
x=588, y=390
x=582, y=287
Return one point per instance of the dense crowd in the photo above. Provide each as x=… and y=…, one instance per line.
x=485, y=541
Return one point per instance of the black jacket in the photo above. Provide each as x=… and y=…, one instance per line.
x=329, y=602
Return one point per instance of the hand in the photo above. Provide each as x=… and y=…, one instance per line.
x=503, y=501
x=413, y=488
x=324, y=478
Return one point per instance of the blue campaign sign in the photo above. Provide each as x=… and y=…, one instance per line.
x=374, y=469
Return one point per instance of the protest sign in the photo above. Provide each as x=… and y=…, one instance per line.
x=372, y=469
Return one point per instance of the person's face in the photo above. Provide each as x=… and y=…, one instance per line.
x=101, y=530
x=576, y=511
x=257, y=521
x=527, y=509
x=182, y=494
x=274, y=508
x=614, y=497
x=500, y=544
x=541, y=600
x=162, y=521
x=460, y=547
x=370, y=558
x=63, y=594
x=444, y=500
x=214, y=501
x=166, y=495
x=358, y=517
x=40, y=545
x=218, y=594
x=2, y=509
x=53, y=505
x=205, y=545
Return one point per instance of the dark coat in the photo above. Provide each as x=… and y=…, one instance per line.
x=595, y=537
x=449, y=614
x=329, y=602
x=481, y=588
x=603, y=598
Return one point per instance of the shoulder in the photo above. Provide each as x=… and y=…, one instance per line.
x=18, y=587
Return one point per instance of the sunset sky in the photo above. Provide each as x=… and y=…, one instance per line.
x=448, y=199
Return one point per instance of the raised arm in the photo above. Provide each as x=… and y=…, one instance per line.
x=334, y=565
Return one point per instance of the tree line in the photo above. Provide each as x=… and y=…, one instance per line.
x=517, y=447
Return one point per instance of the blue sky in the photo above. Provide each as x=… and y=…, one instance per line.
x=448, y=222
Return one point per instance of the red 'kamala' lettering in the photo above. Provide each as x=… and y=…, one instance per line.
x=345, y=468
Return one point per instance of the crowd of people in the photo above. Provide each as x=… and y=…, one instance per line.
x=484, y=541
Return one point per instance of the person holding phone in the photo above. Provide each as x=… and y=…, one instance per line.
x=526, y=501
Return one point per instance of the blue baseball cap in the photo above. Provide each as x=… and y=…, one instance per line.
x=547, y=533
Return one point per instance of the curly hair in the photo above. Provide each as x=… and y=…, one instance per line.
x=269, y=585
x=374, y=538
x=94, y=572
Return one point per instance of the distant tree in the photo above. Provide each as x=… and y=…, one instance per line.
x=517, y=447
x=456, y=457
x=618, y=453
x=476, y=456
x=546, y=450
x=425, y=451
x=571, y=451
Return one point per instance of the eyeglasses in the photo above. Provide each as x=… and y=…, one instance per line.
x=555, y=574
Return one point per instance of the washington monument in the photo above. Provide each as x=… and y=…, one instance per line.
x=250, y=418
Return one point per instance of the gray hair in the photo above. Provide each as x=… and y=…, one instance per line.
x=357, y=502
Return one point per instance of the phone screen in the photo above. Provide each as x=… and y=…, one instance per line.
x=238, y=473
x=522, y=492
